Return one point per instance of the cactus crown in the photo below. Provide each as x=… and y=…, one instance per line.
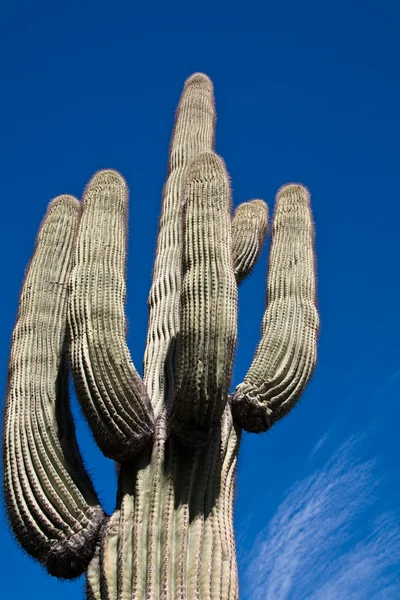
x=175, y=433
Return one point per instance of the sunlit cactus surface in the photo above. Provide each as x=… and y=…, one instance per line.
x=174, y=432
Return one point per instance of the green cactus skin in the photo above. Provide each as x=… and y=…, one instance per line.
x=176, y=434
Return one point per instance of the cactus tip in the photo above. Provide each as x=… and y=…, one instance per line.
x=108, y=176
x=199, y=80
x=205, y=166
x=62, y=201
x=253, y=207
x=291, y=188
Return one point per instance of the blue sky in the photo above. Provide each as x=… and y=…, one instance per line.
x=305, y=92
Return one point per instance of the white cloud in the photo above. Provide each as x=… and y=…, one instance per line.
x=332, y=537
x=319, y=444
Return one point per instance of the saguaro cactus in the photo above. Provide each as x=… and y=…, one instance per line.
x=175, y=434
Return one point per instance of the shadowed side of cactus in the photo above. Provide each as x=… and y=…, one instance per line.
x=175, y=434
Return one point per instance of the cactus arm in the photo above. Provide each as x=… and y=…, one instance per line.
x=52, y=506
x=249, y=229
x=286, y=355
x=193, y=133
x=208, y=308
x=112, y=395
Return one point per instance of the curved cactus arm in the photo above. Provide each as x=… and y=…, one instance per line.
x=249, y=229
x=286, y=355
x=208, y=307
x=112, y=395
x=52, y=506
x=193, y=133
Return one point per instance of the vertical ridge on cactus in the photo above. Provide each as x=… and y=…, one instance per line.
x=176, y=433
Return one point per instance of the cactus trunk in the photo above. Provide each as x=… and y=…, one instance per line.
x=171, y=536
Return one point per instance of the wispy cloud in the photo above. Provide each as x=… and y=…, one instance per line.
x=319, y=444
x=333, y=537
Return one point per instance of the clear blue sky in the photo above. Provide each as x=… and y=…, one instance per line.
x=305, y=91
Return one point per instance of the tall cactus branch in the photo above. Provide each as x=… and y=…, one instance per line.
x=112, y=395
x=208, y=310
x=286, y=355
x=52, y=506
x=194, y=132
x=176, y=434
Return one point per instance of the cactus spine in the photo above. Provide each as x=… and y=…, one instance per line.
x=176, y=434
